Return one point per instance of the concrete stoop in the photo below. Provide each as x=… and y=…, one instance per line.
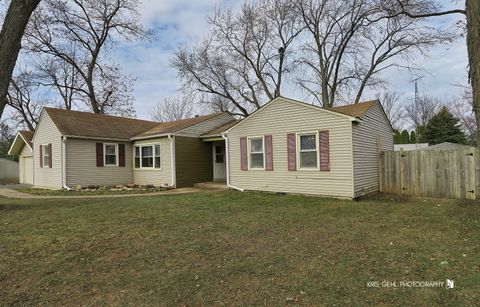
x=213, y=185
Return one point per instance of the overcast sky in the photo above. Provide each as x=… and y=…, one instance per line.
x=184, y=22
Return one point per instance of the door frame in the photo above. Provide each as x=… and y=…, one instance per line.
x=214, y=153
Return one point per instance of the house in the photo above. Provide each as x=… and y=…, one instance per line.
x=409, y=147
x=290, y=146
x=285, y=146
x=22, y=147
x=72, y=148
x=447, y=146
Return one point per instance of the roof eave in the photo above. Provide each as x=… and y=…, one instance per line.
x=136, y=138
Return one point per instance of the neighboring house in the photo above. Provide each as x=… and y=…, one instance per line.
x=8, y=171
x=285, y=146
x=290, y=146
x=22, y=146
x=409, y=147
x=447, y=146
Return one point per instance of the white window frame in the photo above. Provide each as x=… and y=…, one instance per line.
x=153, y=168
x=317, y=150
x=45, y=149
x=105, y=154
x=249, y=159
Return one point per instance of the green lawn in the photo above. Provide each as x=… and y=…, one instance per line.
x=237, y=248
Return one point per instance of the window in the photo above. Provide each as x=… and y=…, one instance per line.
x=219, y=155
x=157, y=156
x=137, y=157
x=46, y=156
x=147, y=156
x=308, y=151
x=256, y=153
x=111, y=153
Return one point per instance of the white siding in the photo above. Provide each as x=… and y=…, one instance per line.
x=365, y=149
x=155, y=176
x=205, y=126
x=279, y=118
x=25, y=161
x=82, y=165
x=47, y=133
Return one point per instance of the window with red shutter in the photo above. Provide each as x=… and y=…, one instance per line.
x=292, y=151
x=99, y=154
x=324, y=139
x=121, y=155
x=243, y=154
x=268, y=153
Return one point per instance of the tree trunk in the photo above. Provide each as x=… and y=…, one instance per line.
x=14, y=24
x=473, y=47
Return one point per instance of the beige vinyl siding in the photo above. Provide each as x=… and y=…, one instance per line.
x=279, y=118
x=205, y=126
x=194, y=161
x=47, y=133
x=365, y=149
x=25, y=161
x=81, y=155
x=158, y=177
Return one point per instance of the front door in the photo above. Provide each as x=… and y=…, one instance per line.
x=219, y=169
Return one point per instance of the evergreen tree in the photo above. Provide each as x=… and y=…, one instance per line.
x=413, y=137
x=444, y=127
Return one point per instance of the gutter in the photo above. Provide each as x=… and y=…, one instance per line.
x=150, y=136
x=172, y=157
x=64, y=164
x=227, y=160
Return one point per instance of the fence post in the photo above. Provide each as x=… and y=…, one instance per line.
x=402, y=172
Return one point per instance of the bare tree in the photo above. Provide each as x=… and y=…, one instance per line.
x=395, y=112
x=23, y=100
x=350, y=44
x=419, y=112
x=246, y=57
x=79, y=33
x=14, y=23
x=462, y=108
x=173, y=108
x=419, y=9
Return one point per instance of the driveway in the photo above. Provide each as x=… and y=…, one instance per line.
x=16, y=186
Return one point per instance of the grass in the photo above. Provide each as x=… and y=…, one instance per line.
x=37, y=191
x=235, y=248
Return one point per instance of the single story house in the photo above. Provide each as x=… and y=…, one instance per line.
x=285, y=146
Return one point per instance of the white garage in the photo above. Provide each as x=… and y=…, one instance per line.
x=22, y=146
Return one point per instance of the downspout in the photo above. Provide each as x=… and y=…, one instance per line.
x=64, y=164
x=172, y=157
x=227, y=160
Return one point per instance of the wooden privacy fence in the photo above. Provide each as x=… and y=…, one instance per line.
x=433, y=173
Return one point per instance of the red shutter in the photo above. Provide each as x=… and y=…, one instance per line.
x=41, y=155
x=324, y=150
x=99, y=154
x=121, y=155
x=50, y=155
x=292, y=151
x=243, y=154
x=268, y=153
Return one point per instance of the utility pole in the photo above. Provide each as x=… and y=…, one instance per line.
x=415, y=81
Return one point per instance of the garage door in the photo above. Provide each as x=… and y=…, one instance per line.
x=27, y=168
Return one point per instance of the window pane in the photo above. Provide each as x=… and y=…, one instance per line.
x=137, y=151
x=110, y=159
x=308, y=142
x=147, y=162
x=256, y=160
x=137, y=162
x=256, y=145
x=157, y=162
x=147, y=151
x=218, y=150
x=308, y=159
x=157, y=150
x=46, y=161
x=219, y=158
x=110, y=149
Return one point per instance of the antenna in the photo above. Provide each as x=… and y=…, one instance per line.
x=415, y=81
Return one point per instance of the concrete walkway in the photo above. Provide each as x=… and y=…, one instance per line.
x=20, y=195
